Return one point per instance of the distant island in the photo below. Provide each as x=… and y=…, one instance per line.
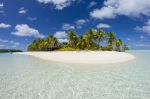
x=10, y=50
x=91, y=40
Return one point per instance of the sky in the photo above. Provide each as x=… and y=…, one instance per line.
x=22, y=21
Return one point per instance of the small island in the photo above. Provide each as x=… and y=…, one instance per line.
x=10, y=50
x=83, y=49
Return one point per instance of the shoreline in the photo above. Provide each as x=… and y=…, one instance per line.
x=82, y=57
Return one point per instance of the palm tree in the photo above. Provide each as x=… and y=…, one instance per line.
x=40, y=44
x=118, y=44
x=100, y=35
x=125, y=47
x=110, y=39
x=52, y=41
x=36, y=45
x=72, y=37
x=89, y=36
x=55, y=42
x=81, y=43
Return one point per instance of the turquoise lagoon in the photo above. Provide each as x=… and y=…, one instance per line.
x=26, y=77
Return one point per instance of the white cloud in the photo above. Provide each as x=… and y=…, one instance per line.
x=59, y=4
x=44, y=1
x=32, y=18
x=80, y=23
x=2, y=46
x=25, y=30
x=1, y=8
x=12, y=44
x=63, y=40
x=22, y=11
x=145, y=29
x=61, y=36
x=129, y=39
x=142, y=37
x=3, y=25
x=68, y=27
x=143, y=45
x=3, y=41
x=130, y=8
x=1, y=5
x=105, y=12
x=93, y=3
x=102, y=25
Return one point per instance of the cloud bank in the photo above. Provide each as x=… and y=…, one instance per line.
x=59, y=4
x=114, y=8
x=24, y=30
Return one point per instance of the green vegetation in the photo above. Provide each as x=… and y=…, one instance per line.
x=10, y=50
x=125, y=47
x=91, y=40
x=44, y=44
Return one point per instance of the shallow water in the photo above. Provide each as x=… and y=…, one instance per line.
x=26, y=77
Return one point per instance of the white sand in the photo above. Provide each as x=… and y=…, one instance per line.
x=83, y=57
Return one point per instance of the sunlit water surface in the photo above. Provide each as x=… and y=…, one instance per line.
x=26, y=77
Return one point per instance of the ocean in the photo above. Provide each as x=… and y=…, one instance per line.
x=26, y=77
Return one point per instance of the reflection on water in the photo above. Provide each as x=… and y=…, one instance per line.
x=25, y=77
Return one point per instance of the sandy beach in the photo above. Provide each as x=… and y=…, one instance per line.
x=83, y=57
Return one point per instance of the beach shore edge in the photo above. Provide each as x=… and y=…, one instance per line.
x=83, y=57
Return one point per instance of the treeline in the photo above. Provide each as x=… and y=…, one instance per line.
x=10, y=50
x=91, y=40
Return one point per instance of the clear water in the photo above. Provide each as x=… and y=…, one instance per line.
x=25, y=77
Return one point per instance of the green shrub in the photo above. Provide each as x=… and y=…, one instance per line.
x=68, y=49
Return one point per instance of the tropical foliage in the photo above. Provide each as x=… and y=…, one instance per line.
x=91, y=40
x=44, y=44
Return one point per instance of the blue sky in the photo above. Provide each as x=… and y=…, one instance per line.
x=22, y=21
